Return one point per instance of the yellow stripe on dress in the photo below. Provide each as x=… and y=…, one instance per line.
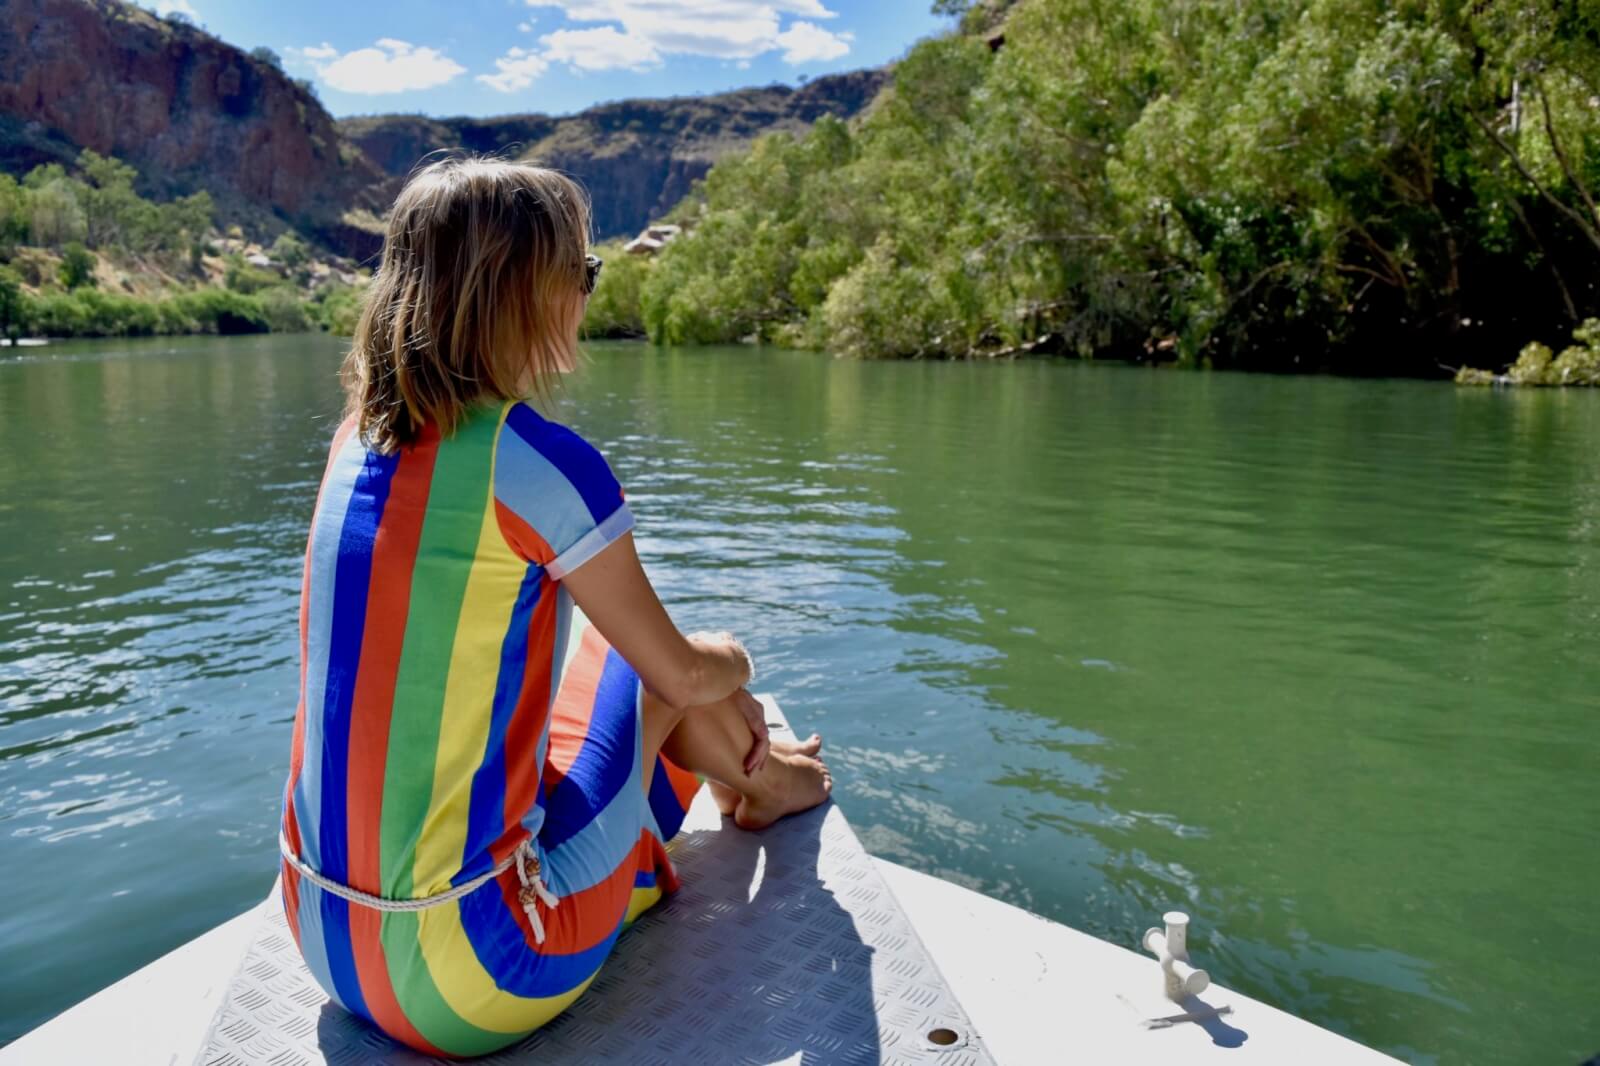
x=490, y=597
x=470, y=990
x=466, y=987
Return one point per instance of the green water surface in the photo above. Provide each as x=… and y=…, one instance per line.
x=1313, y=659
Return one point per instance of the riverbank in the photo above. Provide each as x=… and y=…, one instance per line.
x=239, y=289
x=1537, y=365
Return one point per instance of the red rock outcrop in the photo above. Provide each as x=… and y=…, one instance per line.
x=187, y=110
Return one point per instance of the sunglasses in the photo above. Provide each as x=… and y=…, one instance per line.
x=591, y=272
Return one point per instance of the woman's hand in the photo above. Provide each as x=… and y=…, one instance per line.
x=755, y=716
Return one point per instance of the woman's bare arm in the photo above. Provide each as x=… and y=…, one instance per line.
x=614, y=591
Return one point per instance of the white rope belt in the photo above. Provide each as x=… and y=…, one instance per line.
x=533, y=886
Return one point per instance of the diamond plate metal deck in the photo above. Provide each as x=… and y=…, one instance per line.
x=782, y=946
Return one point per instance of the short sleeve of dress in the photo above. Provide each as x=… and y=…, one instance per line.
x=556, y=499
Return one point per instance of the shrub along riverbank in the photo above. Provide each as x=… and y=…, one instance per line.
x=92, y=313
x=1350, y=185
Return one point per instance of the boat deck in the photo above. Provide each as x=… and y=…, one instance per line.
x=789, y=945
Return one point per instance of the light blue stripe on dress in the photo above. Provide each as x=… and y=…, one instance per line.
x=326, y=532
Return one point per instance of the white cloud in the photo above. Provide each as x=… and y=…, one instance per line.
x=806, y=42
x=518, y=69
x=603, y=48
x=724, y=29
x=389, y=66
x=640, y=34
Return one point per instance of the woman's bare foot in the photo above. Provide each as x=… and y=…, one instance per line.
x=790, y=782
x=727, y=799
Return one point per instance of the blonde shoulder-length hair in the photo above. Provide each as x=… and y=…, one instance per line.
x=478, y=296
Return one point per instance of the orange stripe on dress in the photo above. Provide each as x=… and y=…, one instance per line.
x=366, y=928
x=291, y=899
x=394, y=553
x=685, y=783
x=523, y=538
x=574, y=706
x=583, y=919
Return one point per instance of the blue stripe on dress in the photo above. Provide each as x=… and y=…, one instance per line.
x=322, y=561
x=605, y=763
x=578, y=461
x=503, y=951
x=486, y=808
x=352, y=580
x=313, y=946
x=538, y=492
x=665, y=806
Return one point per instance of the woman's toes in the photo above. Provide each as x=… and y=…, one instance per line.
x=809, y=746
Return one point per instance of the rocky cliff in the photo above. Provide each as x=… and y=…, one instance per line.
x=637, y=157
x=188, y=111
x=191, y=112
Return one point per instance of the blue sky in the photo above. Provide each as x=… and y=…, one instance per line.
x=487, y=57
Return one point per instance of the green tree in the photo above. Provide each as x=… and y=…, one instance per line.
x=12, y=305
x=14, y=215
x=283, y=310
x=290, y=250
x=263, y=54
x=113, y=212
x=55, y=216
x=241, y=277
x=77, y=266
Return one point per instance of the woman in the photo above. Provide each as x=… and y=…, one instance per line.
x=499, y=725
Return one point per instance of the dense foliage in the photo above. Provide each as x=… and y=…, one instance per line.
x=1537, y=364
x=1350, y=184
x=613, y=309
x=97, y=208
x=56, y=228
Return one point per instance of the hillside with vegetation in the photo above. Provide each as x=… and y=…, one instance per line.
x=83, y=254
x=1348, y=185
x=638, y=157
x=155, y=179
x=191, y=113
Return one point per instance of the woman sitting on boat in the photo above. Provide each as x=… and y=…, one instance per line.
x=499, y=725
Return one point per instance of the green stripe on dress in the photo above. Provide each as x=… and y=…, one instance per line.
x=420, y=998
x=457, y=496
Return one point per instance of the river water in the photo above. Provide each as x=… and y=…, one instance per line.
x=1313, y=659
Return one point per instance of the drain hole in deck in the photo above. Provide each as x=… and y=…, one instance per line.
x=943, y=1037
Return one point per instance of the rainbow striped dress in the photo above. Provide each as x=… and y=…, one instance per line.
x=455, y=710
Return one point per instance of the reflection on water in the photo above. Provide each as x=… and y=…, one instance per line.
x=1310, y=658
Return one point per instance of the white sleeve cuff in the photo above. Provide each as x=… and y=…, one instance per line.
x=590, y=544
